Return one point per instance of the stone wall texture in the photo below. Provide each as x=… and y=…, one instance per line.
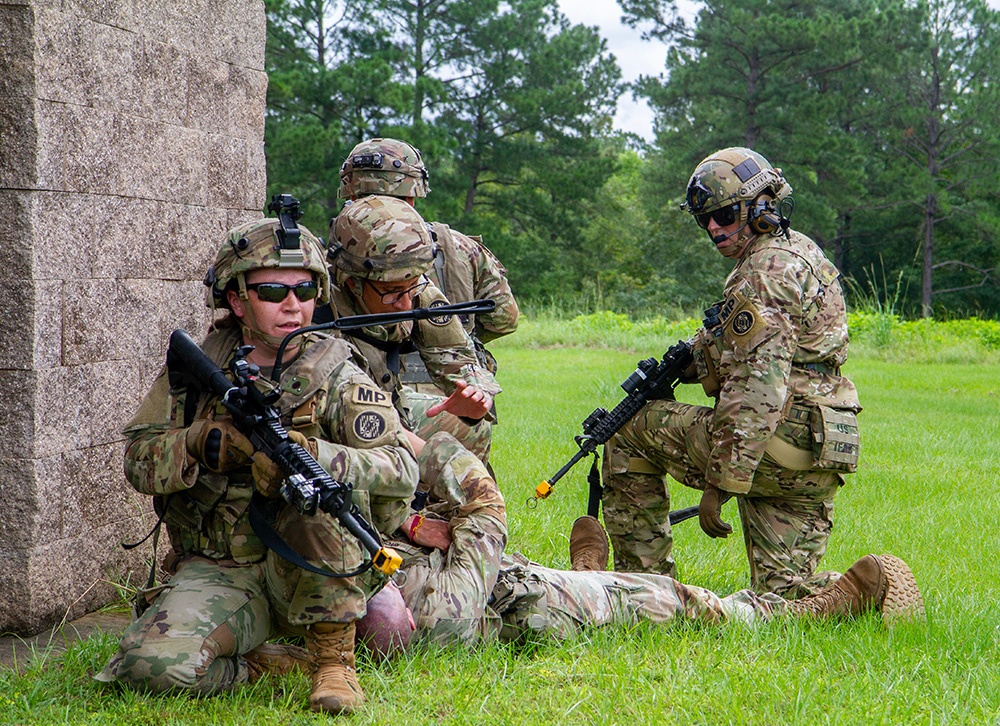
x=131, y=139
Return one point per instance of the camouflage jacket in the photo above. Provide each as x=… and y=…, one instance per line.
x=467, y=270
x=782, y=339
x=325, y=396
x=443, y=345
x=448, y=591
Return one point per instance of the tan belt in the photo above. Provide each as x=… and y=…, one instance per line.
x=638, y=465
x=788, y=456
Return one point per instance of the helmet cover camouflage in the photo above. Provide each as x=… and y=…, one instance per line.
x=733, y=175
x=382, y=239
x=254, y=246
x=383, y=166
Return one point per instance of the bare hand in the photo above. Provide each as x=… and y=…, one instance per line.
x=428, y=532
x=466, y=401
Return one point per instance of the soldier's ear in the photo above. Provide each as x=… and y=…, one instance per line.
x=235, y=303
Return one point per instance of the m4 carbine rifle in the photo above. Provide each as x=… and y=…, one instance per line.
x=652, y=380
x=308, y=487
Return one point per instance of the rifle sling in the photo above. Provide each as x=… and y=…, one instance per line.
x=262, y=527
x=595, y=489
x=392, y=349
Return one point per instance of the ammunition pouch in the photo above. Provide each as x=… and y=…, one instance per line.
x=836, y=442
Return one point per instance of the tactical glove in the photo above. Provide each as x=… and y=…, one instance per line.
x=268, y=476
x=710, y=513
x=218, y=445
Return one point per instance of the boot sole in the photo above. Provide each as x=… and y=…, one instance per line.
x=903, y=600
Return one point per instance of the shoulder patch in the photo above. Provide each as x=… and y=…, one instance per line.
x=370, y=396
x=440, y=320
x=369, y=425
x=741, y=317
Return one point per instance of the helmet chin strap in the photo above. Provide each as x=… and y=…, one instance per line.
x=359, y=297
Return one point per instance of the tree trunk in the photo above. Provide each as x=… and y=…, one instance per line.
x=930, y=211
x=419, y=38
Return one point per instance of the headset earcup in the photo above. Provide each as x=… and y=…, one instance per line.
x=763, y=218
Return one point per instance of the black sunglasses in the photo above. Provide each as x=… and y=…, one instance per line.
x=724, y=216
x=276, y=292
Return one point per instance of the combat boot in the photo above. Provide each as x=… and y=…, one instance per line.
x=278, y=659
x=335, y=687
x=588, y=546
x=880, y=582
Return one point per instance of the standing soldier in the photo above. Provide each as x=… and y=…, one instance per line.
x=783, y=430
x=463, y=268
x=206, y=629
x=380, y=250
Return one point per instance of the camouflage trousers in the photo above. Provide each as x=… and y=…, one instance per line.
x=473, y=592
x=786, y=516
x=200, y=623
x=532, y=599
x=476, y=438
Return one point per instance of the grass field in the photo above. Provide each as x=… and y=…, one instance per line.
x=927, y=491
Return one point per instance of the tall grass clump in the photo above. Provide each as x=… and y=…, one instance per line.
x=875, y=306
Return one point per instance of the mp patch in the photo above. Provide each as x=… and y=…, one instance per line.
x=369, y=425
x=440, y=320
x=369, y=396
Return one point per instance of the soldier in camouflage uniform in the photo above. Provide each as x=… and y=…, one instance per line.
x=205, y=629
x=464, y=268
x=462, y=588
x=783, y=430
x=380, y=250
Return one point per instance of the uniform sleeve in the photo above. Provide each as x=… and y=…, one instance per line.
x=156, y=458
x=491, y=283
x=448, y=351
x=460, y=482
x=760, y=335
x=367, y=447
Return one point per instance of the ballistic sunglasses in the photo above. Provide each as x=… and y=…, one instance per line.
x=276, y=292
x=724, y=216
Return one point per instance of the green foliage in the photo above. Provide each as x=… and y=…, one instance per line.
x=880, y=112
x=868, y=106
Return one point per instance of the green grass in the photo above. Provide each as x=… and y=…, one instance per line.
x=927, y=491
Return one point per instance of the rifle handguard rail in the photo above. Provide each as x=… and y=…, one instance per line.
x=650, y=381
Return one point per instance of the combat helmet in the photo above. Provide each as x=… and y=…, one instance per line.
x=735, y=179
x=264, y=243
x=384, y=166
x=380, y=238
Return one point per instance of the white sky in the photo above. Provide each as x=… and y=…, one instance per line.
x=635, y=56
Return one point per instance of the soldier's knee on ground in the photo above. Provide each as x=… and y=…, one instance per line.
x=196, y=664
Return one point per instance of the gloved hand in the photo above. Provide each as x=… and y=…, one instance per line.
x=710, y=513
x=268, y=476
x=218, y=445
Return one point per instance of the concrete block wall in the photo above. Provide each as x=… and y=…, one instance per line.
x=131, y=139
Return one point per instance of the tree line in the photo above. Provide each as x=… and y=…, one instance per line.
x=881, y=113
